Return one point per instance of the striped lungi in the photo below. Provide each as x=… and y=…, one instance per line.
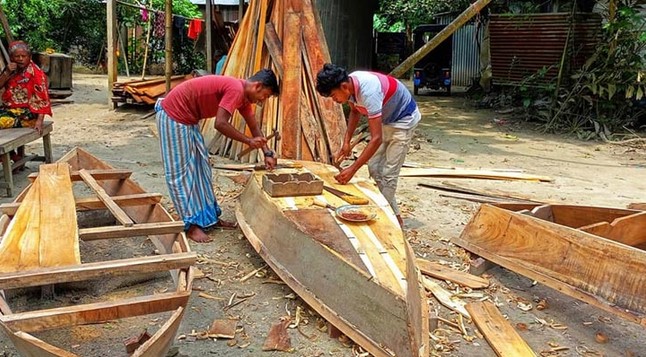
x=188, y=172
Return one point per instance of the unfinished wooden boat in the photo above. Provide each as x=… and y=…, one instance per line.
x=594, y=254
x=361, y=277
x=40, y=247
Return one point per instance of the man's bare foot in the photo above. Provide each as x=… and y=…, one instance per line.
x=197, y=235
x=226, y=224
x=400, y=220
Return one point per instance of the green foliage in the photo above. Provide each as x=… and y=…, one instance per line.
x=80, y=26
x=605, y=90
x=411, y=13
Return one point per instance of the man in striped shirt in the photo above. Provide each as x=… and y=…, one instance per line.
x=392, y=117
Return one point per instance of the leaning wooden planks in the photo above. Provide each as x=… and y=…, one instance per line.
x=291, y=42
x=146, y=91
x=44, y=231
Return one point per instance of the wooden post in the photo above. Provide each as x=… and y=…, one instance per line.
x=112, y=44
x=465, y=16
x=169, y=43
x=240, y=11
x=5, y=26
x=209, y=36
x=150, y=26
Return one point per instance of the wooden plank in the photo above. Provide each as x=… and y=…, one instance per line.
x=442, y=272
x=30, y=346
x=99, y=175
x=94, y=203
x=568, y=260
x=331, y=113
x=160, y=342
x=89, y=271
x=457, y=189
x=629, y=230
x=274, y=47
x=59, y=241
x=469, y=173
x=502, y=337
x=118, y=213
x=34, y=321
x=135, y=230
x=14, y=138
x=637, y=206
x=291, y=83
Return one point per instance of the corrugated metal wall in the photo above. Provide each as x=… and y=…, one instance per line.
x=522, y=45
x=348, y=30
x=466, y=52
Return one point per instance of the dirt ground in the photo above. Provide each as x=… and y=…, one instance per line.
x=452, y=134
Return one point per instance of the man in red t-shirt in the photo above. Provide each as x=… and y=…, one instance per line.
x=184, y=153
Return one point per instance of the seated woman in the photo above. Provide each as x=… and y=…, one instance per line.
x=23, y=89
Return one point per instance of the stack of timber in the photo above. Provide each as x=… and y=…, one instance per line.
x=593, y=254
x=287, y=37
x=361, y=277
x=144, y=92
x=40, y=247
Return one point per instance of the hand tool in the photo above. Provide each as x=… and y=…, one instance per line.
x=320, y=203
x=250, y=149
x=351, y=199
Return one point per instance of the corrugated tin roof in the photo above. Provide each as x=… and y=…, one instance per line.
x=522, y=45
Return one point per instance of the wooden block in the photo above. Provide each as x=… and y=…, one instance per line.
x=480, y=265
x=223, y=328
x=439, y=271
x=134, y=342
x=282, y=185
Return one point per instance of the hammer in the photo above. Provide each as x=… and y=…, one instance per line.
x=249, y=149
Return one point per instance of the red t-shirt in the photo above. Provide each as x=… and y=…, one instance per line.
x=200, y=98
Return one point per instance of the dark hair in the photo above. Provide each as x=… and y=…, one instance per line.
x=329, y=78
x=267, y=78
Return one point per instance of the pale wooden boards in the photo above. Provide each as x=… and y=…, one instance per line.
x=287, y=36
x=439, y=271
x=44, y=231
x=470, y=173
x=569, y=260
x=502, y=337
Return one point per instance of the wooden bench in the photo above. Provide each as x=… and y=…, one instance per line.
x=16, y=139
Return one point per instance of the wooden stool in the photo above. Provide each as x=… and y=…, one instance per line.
x=12, y=139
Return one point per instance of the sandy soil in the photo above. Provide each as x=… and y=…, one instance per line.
x=452, y=134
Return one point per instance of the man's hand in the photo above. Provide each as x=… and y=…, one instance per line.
x=346, y=175
x=270, y=163
x=342, y=154
x=12, y=67
x=257, y=142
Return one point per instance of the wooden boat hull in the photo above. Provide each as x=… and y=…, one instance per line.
x=325, y=261
x=590, y=253
x=149, y=219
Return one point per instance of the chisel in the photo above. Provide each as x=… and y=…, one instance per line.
x=351, y=199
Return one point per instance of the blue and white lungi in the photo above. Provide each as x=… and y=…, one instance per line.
x=188, y=172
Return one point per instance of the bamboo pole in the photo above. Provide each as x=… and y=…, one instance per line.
x=208, y=23
x=465, y=16
x=150, y=26
x=112, y=42
x=5, y=26
x=169, y=43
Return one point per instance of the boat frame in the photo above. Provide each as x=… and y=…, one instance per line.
x=140, y=214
